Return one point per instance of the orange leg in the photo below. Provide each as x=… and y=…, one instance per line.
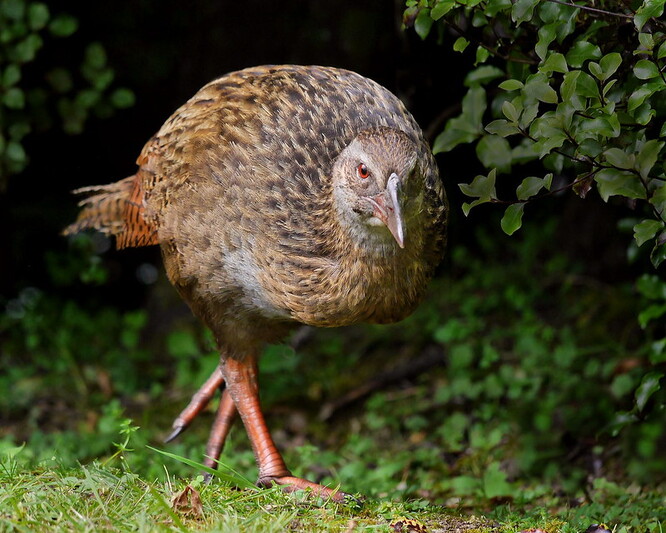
x=241, y=380
x=226, y=413
x=197, y=404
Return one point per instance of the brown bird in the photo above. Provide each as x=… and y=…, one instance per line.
x=280, y=195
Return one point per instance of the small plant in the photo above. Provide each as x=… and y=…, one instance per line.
x=122, y=448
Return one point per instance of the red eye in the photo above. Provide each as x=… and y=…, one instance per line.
x=362, y=171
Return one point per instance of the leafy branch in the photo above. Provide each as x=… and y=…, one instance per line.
x=565, y=84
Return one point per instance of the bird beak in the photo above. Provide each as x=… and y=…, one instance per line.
x=386, y=206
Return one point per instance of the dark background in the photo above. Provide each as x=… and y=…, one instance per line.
x=164, y=52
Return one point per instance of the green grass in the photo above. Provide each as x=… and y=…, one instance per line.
x=108, y=496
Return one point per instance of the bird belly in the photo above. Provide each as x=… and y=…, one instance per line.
x=341, y=296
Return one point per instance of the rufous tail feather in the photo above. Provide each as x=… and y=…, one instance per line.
x=115, y=209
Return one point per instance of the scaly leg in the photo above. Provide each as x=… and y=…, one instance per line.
x=197, y=404
x=241, y=380
x=226, y=413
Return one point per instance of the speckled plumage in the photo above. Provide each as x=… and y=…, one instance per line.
x=246, y=191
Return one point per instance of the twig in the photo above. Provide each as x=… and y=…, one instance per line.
x=592, y=9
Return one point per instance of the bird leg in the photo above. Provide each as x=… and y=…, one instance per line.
x=197, y=404
x=241, y=379
x=226, y=413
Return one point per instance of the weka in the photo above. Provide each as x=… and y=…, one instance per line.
x=280, y=195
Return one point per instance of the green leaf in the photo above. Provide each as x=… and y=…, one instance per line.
x=63, y=25
x=495, y=484
x=658, y=254
x=658, y=199
x=555, y=63
x=38, y=15
x=649, y=9
x=531, y=186
x=12, y=9
x=482, y=54
x=528, y=115
x=565, y=114
x=466, y=127
x=545, y=146
x=493, y=7
x=26, y=50
x=513, y=218
x=658, y=350
x=460, y=44
x=647, y=157
x=569, y=83
x=651, y=286
x=538, y=88
x=619, y=158
x=608, y=86
x=423, y=23
x=645, y=70
x=122, y=98
x=15, y=152
x=11, y=76
x=609, y=64
x=482, y=75
x=14, y=98
x=620, y=420
x=661, y=52
x=643, y=113
x=649, y=385
x=95, y=56
x=511, y=85
x=442, y=7
x=494, y=152
x=502, y=128
x=510, y=111
x=646, y=230
x=523, y=10
x=613, y=182
x=646, y=40
x=482, y=187
x=595, y=70
x=19, y=129
x=581, y=51
x=586, y=86
x=641, y=93
x=546, y=35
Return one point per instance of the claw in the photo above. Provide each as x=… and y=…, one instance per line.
x=197, y=404
x=177, y=430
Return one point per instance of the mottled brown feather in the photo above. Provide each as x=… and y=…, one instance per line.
x=236, y=187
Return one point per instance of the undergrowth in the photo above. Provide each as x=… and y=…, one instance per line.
x=521, y=411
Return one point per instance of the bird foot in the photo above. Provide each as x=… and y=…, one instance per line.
x=292, y=484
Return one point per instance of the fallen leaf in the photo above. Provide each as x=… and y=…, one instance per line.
x=188, y=503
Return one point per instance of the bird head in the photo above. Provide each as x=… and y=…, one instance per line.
x=374, y=183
